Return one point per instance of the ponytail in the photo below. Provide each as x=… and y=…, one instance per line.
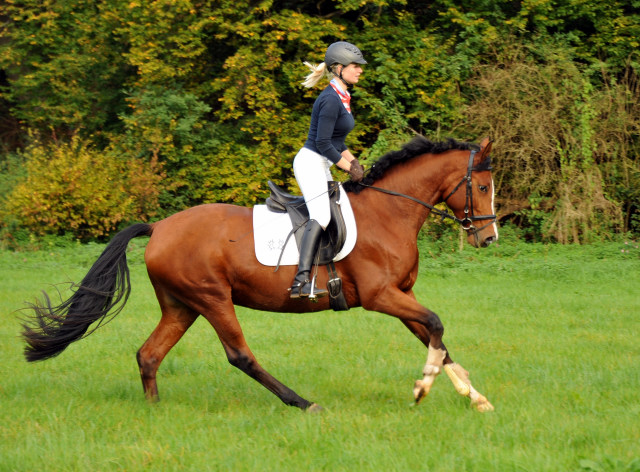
x=317, y=72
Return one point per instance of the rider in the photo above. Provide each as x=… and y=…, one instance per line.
x=331, y=121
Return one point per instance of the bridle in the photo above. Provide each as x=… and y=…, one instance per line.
x=469, y=216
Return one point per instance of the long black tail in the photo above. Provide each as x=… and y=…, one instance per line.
x=104, y=289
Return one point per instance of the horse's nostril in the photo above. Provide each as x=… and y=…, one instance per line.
x=488, y=241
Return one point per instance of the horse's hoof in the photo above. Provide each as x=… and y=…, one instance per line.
x=419, y=391
x=314, y=408
x=482, y=405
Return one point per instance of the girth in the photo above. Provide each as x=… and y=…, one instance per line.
x=333, y=237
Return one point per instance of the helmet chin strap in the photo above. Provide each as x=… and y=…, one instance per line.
x=339, y=76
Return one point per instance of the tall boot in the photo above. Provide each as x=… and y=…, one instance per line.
x=302, y=286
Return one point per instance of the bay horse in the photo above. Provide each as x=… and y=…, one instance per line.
x=199, y=264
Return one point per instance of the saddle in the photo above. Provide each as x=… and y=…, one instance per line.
x=331, y=241
x=333, y=237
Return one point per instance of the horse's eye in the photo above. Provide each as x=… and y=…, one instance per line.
x=483, y=188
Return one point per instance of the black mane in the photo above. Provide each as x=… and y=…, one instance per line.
x=416, y=147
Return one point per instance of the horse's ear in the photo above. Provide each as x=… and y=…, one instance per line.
x=485, y=148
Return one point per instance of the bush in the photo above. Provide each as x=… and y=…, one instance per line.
x=553, y=136
x=71, y=187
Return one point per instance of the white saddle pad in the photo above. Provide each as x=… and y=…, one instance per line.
x=270, y=231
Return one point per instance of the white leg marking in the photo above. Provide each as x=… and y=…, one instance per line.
x=462, y=387
x=460, y=379
x=431, y=370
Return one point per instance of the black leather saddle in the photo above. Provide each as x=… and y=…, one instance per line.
x=334, y=236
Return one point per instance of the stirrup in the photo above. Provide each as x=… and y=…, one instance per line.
x=314, y=292
x=307, y=288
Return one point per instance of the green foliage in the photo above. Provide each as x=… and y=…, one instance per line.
x=209, y=93
x=11, y=172
x=167, y=127
x=163, y=39
x=63, y=68
x=410, y=85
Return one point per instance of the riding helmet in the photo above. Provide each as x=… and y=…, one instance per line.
x=343, y=53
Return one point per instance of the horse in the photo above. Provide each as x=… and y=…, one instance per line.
x=200, y=264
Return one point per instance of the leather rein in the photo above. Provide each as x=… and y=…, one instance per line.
x=469, y=217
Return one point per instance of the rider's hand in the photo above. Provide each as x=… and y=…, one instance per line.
x=356, y=171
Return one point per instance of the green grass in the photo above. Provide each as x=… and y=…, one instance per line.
x=549, y=334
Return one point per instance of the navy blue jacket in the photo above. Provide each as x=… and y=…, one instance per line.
x=330, y=124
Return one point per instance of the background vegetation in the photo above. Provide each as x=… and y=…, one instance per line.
x=118, y=111
x=545, y=330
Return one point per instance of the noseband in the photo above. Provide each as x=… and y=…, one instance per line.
x=469, y=217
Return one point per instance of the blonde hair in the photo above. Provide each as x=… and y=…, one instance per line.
x=317, y=73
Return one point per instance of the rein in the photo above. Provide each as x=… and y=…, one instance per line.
x=469, y=218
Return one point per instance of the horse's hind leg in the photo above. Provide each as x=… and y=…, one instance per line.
x=226, y=324
x=458, y=376
x=176, y=319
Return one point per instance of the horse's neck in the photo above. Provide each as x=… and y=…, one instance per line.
x=423, y=178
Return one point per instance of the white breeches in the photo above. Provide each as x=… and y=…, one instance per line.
x=312, y=172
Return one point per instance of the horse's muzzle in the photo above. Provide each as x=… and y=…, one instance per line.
x=480, y=240
x=488, y=241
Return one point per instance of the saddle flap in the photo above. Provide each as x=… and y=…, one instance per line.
x=273, y=244
x=333, y=237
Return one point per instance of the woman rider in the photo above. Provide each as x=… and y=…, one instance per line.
x=331, y=121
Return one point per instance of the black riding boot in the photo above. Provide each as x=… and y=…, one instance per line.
x=302, y=286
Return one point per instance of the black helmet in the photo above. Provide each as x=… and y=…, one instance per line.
x=343, y=53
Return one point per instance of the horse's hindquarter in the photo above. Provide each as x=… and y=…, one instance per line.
x=208, y=252
x=198, y=231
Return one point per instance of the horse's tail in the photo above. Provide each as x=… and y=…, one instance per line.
x=104, y=289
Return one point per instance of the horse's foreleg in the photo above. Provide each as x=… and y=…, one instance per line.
x=226, y=324
x=424, y=323
x=176, y=319
x=458, y=376
x=436, y=357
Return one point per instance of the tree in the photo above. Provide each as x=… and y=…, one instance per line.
x=205, y=95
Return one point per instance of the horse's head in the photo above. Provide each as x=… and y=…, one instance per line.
x=472, y=198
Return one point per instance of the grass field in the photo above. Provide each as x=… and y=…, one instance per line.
x=549, y=334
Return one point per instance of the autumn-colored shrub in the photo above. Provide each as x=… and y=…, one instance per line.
x=72, y=187
x=554, y=138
